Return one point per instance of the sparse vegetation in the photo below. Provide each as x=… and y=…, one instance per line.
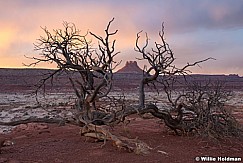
x=205, y=111
x=199, y=109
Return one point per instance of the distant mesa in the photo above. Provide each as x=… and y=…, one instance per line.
x=131, y=67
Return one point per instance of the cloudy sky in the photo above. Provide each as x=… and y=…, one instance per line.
x=195, y=29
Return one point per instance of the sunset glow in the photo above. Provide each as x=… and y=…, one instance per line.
x=6, y=37
x=195, y=30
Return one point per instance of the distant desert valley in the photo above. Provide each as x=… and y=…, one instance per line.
x=14, y=80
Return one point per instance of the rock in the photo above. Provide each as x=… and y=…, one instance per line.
x=31, y=127
x=131, y=67
x=8, y=143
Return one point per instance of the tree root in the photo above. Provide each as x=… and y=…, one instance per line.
x=130, y=145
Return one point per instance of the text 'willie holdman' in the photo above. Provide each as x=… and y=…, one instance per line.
x=219, y=159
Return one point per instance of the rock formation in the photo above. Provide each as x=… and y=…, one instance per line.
x=131, y=67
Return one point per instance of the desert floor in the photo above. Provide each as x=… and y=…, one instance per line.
x=62, y=143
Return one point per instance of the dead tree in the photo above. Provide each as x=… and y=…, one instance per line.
x=200, y=107
x=206, y=112
x=160, y=60
x=74, y=54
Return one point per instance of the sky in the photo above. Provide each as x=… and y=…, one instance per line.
x=194, y=29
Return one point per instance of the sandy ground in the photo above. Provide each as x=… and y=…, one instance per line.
x=54, y=143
